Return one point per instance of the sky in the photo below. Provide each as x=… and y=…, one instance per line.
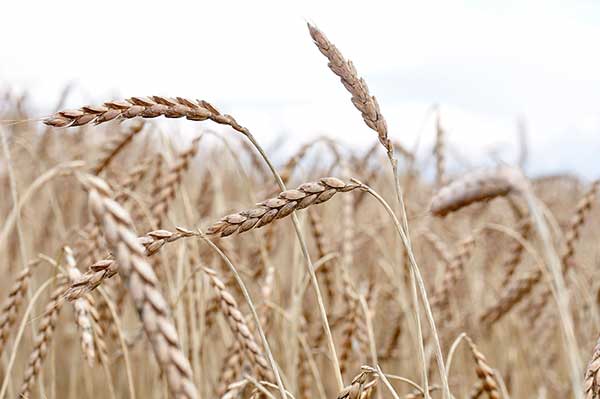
x=487, y=64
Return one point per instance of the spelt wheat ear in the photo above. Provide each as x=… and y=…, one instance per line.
x=484, y=372
x=114, y=146
x=238, y=325
x=143, y=287
x=42, y=340
x=10, y=308
x=514, y=294
x=477, y=186
x=168, y=185
x=582, y=210
x=283, y=205
x=591, y=384
x=143, y=107
x=361, y=98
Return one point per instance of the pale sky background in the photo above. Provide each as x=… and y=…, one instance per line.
x=486, y=63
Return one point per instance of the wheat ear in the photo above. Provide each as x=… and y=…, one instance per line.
x=42, y=340
x=143, y=107
x=356, y=86
x=474, y=187
x=484, y=372
x=238, y=325
x=171, y=181
x=113, y=147
x=276, y=208
x=10, y=308
x=143, y=287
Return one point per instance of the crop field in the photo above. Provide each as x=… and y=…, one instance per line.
x=139, y=262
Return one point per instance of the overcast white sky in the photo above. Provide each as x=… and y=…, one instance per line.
x=486, y=63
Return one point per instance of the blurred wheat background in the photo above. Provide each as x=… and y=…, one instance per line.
x=174, y=247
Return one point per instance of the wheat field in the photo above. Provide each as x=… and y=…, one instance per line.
x=141, y=263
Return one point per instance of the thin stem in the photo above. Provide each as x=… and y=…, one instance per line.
x=309, y=266
x=416, y=274
x=248, y=299
x=560, y=294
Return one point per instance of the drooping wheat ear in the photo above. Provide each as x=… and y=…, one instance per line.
x=581, y=212
x=326, y=270
x=515, y=293
x=591, y=384
x=82, y=310
x=454, y=272
x=171, y=182
x=143, y=287
x=42, y=340
x=230, y=371
x=238, y=326
x=439, y=153
x=113, y=147
x=143, y=107
x=276, y=208
x=361, y=98
x=484, y=372
x=107, y=268
x=476, y=186
x=10, y=308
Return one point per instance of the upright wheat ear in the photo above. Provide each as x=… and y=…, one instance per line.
x=143, y=287
x=361, y=98
x=10, y=308
x=474, y=187
x=238, y=325
x=42, y=340
x=484, y=372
